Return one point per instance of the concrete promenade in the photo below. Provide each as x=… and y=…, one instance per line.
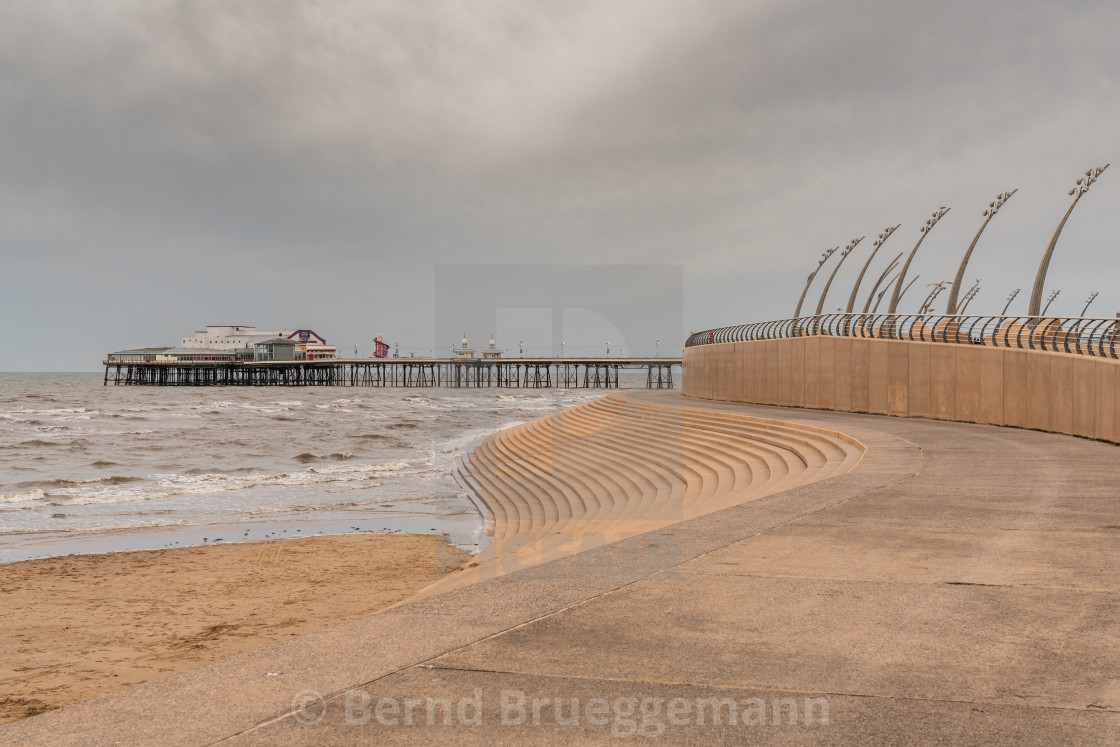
x=960, y=584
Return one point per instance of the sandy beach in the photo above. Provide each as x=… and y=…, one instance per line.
x=79, y=626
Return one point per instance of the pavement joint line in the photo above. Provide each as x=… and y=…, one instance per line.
x=949, y=528
x=891, y=582
x=754, y=687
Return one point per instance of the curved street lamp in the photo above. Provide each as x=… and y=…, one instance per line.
x=1049, y=301
x=890, y=268
x=930, y=223
x=884, y=291
x=843, y=255
x=1079, y=189
x=1075, y=332
x=933, y=294
x=879, y=300
x=993, y=208
x=1089, y=302
x=1010, y=298
x=908, y=286
x=972, y=293
x=813, y=274
x=886, y=234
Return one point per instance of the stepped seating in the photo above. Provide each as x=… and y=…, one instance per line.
x=612, y=467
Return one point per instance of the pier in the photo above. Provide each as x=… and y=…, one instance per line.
x=519, y=373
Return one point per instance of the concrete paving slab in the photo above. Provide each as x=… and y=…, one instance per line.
x=809, y=548
x=1008, y=645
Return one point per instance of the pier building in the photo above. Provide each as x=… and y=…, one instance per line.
x=464, y=350
x=201, y=355
x=491, y=351
x=232, y=337
x=275, y=349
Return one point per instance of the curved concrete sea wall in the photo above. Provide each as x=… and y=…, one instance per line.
x=1056, y=392
x=617, y=466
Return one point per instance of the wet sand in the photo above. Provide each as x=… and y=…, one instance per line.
x=79, y=626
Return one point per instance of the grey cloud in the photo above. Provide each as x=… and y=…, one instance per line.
x=169, y=163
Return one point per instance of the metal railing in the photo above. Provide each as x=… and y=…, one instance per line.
x=1076, y=335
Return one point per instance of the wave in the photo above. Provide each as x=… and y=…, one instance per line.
x=25, y=497
x=97, y=529
x=218, y=471
x=72, y=481
x=218, y=482
x=384, y=439
x=456, y=444
x=360, y=486
x=399, y=466
x=309, y=457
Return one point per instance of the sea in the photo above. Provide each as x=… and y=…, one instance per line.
x=90, y=468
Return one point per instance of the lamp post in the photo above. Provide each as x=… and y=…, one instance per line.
x=993, y=208
x=1010, y=298
x=520, y=348
x=608, y=350
x=813, y=274
x=1075, y=333
x=879, y=298
x=900, y=295
x=908, y=287
x=561, y=348
x=1089, y=302
x=886, y=234
x=657, y=348
x=896, y=296
x=882, y=277
x=1049, y=301
x=971, y=294
x=1079, y=189
x=933, y=294
x=843, y=255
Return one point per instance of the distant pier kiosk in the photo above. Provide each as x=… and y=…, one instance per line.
x=464, y=350
x=491, y=352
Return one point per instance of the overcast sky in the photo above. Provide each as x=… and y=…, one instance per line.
x=166, y=165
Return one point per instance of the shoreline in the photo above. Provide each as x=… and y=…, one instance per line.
x=74, y=627
x=463, y=530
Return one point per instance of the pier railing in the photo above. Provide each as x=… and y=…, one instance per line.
x=1076, y=335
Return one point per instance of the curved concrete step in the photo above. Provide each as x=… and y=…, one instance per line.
x=611, y=467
